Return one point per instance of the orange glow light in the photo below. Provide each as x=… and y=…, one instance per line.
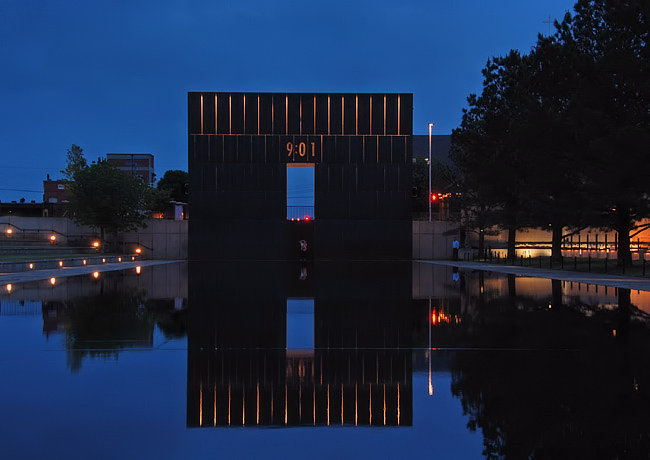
x=95, y=244
x=9, y=231
x=9, y=287
x=138, y=250
x=103, y=260
x=434, y=319
x=52, y=238
x=138, y=269
x=119, y=259
x=95, y=275
x=84, y=261
x=52, y=281
x=60, y=263
x=31, y=266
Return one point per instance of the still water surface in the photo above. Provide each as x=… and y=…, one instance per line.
x=384, y=360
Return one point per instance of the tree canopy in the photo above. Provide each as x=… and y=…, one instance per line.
x=106, y=198
x=176, y=183
x=558, y=137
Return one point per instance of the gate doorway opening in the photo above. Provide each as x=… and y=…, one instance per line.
x=300, y=192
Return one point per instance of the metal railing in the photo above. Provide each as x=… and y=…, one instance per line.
x=300, y=212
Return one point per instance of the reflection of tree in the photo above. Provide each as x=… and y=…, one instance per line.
x=171, y=322
x=100, y=326
x=590, y=402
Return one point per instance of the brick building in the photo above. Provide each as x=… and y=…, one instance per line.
x=137, y=164
x=54, y=191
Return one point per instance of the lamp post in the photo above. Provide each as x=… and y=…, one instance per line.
x=430, y=129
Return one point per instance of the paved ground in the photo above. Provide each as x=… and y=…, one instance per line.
x=626, y=282
x=38, y=275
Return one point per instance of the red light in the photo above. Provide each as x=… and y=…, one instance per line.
x=434, y=197
x=306, y=218
x=434, y=319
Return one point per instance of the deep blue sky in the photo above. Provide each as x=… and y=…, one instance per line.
x=113, y=76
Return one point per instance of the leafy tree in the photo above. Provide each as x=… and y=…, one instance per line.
x=106, y=198
x=75, y=162
x=613, y=123
x=176, y=182
x=557, y=192
x=488, y=148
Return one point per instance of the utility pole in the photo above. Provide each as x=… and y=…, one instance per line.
x=549, y=22
x=429, y=197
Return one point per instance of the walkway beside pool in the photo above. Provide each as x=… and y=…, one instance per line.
x=602, y=279
x=39, y=275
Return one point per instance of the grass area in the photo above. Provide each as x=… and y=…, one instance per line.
x=579, y=264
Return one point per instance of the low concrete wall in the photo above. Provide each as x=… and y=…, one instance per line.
x=433, y=240
x=167, y=239
x=161, y=239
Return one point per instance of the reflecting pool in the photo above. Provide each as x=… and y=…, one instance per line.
x=322, y=359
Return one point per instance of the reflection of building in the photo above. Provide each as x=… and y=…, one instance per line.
x=359, y=372
x=139, y=165
x=268, y=387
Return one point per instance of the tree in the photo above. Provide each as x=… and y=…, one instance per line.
x=176, y=182
x=489, y=148
x=613, y=123
x=106, y=198
x=75, y=162
x=557, y=192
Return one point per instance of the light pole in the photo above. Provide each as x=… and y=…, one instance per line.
x=430, y=129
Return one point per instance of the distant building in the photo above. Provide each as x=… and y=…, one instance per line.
x=23, y=209
x=139, y=165
x=440, y=146
x=55, y=191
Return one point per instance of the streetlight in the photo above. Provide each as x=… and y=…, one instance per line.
x=430, y=129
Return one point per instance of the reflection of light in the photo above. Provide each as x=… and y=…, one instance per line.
x=138, y=250
x=52, y=281
x=398, y=410
x=434, y=320
x=138, y=269
x=369, y=406
x=52, y=238
x=119, y=259
x=103, y=260
x=614, y=332
x=132, y=257
x=430, y=387
x=95, y=275
x=328, y=404
x=31, y=266
x=9, y=287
